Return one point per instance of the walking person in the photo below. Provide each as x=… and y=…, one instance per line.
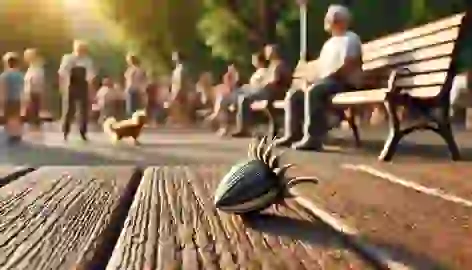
x=136, y=83
x=34, y=87
x=12, y=85
x=181, y=107
x=76, y=75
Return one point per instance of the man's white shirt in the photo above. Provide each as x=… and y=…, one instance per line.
x=70, y=61
x=334, y=52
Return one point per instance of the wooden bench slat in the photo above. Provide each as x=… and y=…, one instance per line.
x=422, y=79
x=279, y=104
x=259, y=105
x=402, y=59
x=60, y=217
x=360, y=97
x=414, y=32
x=424, y=92
x=448, y=35
x=437, y=64
x=378, y=95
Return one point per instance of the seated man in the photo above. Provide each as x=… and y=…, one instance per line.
x=339, y=69
x=275, y=82
x=461, y=91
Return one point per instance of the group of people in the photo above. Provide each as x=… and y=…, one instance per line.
x=339, y=69
x=25, y=90
x=17, y=87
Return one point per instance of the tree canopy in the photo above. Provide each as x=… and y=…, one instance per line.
x=212, y=32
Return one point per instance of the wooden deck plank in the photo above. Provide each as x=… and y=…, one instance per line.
x=10, y=173
x=191, y=234
x=58, y=217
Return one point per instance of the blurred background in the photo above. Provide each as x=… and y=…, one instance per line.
x=211, y=33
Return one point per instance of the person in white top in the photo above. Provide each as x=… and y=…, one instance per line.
x=135, y=84
x=34, y=86
x=339, y=69
x=76, y=75
x=109, y=99
x=256, y=82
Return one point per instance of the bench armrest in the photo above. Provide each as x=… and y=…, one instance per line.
x=394, y=76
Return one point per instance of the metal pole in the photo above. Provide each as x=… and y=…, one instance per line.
x=303, y=31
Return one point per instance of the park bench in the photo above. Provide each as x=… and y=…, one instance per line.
x=414, y=70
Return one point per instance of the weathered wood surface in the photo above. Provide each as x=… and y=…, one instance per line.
x=10, y=173
x=172, y=224
x=62, y=217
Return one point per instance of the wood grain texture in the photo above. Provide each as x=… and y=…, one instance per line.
x=173, y=224
x=57, y=217
x=415, y=32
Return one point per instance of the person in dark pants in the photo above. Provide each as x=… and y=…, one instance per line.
x=76, y=75
x=339, y=70
x=136, y=83
x=277, y=80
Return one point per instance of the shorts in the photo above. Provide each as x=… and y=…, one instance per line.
x=12, y=109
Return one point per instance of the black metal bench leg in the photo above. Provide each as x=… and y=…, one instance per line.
x=272, y=123
x=445, y=131
x=390, y=145
x=351, y=121
x=395, y=134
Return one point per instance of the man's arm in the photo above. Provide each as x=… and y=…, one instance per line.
x=176, y=86
x=91, y=73
x=352, y=59
x=64, y=69
x=281, y=74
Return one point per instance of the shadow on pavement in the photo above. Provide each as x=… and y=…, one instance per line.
x=40, y=155
x=317, y=233
x=372, y=147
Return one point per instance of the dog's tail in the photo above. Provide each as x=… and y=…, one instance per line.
x=108, y=125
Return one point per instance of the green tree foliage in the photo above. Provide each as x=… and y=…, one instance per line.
x=39, y=24
x=229, y=30
x=30, y=23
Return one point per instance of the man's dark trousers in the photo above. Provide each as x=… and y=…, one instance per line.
x=243, y=114
x=76, y=96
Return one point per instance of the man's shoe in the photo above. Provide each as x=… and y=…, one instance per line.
x=13, y=140
x=222, y=132
x=84, y=137
x=308, y=144
x=286, y=141
x=66, y=136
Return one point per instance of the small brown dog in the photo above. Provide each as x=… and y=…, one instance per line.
x=118, y=130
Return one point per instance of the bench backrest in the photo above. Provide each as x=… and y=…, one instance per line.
x=426, y=50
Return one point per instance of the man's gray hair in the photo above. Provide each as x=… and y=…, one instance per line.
x=338, y=12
